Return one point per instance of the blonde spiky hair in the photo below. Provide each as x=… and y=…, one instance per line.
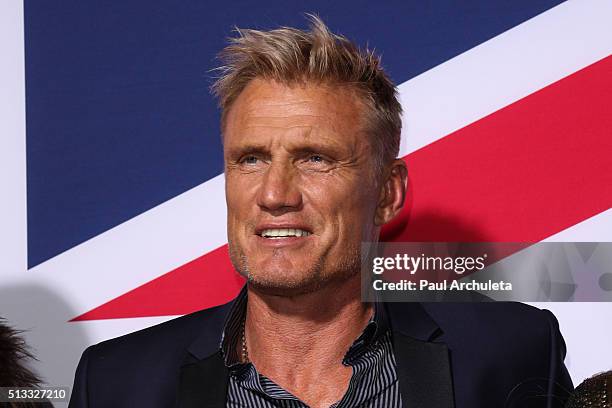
x=292, y=56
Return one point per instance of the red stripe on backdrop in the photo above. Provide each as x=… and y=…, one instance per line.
x=523, y=173
x=207, y=281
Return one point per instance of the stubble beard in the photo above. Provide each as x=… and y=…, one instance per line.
x=296, y=283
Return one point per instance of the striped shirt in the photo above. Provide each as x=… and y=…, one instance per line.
x=373, y=383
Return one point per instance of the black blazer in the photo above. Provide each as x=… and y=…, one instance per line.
x=463, y=355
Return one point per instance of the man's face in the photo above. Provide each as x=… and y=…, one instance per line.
x=299, y=186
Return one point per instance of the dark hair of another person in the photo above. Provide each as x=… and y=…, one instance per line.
x=14, y=372
x=594, y=392
x=14, y=355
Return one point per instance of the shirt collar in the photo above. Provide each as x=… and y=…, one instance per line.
x=376, y=328
x=231, y=337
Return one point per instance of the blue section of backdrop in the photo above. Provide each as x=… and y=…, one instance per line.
x=119, y=118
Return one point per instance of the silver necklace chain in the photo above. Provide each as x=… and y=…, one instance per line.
x=245, y=352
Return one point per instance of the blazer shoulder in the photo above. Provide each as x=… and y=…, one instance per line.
x=509, y=326
x=494, y=316
x=120, y=369
x=177, y=334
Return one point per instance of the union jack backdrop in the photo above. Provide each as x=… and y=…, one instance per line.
x=113, y=213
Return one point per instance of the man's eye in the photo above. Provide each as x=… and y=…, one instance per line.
x=249, y=160
x=316, y=159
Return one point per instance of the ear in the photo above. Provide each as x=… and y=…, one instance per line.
x=392, y=193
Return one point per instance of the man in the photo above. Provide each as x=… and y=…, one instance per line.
x=311, y=128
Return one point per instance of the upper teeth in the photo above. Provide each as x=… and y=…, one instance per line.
x=284, y=232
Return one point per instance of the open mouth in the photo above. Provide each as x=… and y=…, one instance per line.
x=277, y=233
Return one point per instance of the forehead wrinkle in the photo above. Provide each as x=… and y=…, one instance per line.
x=255, y=103
x=317, y=131
x=296, y=137
x=287, y=120
x=256, y=114
x=309, y=127
x=282, y=121
x=275, y=102
x=285, y=116
x=285, y=132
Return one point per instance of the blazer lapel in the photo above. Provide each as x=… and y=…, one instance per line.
x=203, y=376
x=423, y=372
x=423, y=367
x=203, y=384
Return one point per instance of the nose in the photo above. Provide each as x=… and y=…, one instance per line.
x=279, y=190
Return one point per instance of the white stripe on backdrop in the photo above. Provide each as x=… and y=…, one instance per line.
x=586, y=325
x=504, y=69
x=12, y=140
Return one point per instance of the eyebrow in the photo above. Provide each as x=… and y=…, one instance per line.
x=247, y=149
x=300, y=149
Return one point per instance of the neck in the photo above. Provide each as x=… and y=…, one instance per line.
x=300, y=341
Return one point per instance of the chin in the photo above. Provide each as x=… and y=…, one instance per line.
x=285, y=282
x=285, y=277
x=282, y=290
